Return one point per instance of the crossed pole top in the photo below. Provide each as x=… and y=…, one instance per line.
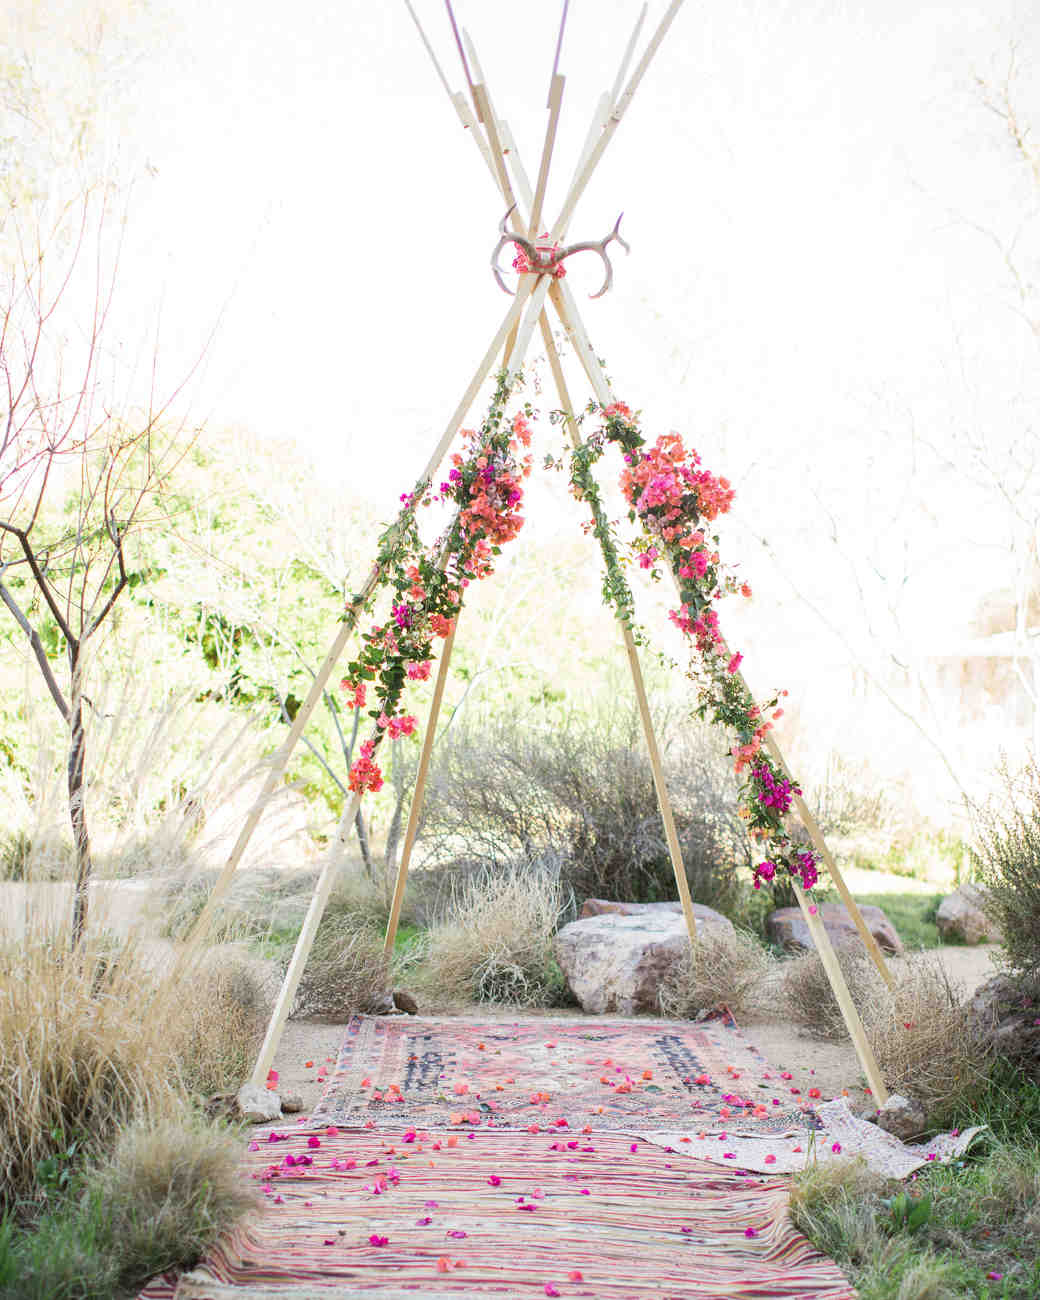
x=540, y=250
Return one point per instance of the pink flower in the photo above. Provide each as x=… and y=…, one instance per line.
x=419, y=672
x=734, y=663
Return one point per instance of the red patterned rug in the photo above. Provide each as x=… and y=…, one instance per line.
x=495, y=1212
x=537, y=1074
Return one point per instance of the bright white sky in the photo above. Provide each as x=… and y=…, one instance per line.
x=803, y=185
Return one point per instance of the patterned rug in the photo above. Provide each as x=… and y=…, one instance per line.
x=448, y=1214
x=620, y=1075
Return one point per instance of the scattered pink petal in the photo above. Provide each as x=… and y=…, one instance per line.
x=575, y=1275
x=550, y=1289
x=836, y=1147
x=495, y=1181
x=750, y=1232
x=421, y=1223
x=312, y=1141
x=376, y=1240
x=771, y=1160
x=994, y=1277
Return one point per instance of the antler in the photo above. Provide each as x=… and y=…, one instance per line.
x=510, y=236
x=600, y=247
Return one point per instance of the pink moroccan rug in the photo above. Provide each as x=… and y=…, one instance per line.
x=622, y=1075
x=448, y=1214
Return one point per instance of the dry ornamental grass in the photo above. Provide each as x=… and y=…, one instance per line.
x=721, y=970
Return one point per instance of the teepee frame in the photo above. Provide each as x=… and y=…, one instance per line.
x=527, y=312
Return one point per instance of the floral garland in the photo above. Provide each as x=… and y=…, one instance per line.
x=484, y=483
x=673, y=498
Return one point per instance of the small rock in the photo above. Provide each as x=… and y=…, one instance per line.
x=962, y=916
x=222, y=1105
x=258, y=1105
x=405, y=1002
x=902, y=1117
x=292, y=1104
x=787, y=927
x=380, y=1004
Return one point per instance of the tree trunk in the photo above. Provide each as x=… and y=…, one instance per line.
x=366, y=852
x=77, y=810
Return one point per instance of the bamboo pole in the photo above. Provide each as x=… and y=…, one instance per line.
x=664, y=801
x=412, y=829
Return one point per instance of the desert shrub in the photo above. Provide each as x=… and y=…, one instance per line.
x=1007, y=862
x=503, y=790
x=924, y=1044
x=809, y=999
x=81, y=1050
x=494, y=944
x=157, y=1201
x=346, y=972
x=169, y=1187
x=221, y=1024
x=719, y=971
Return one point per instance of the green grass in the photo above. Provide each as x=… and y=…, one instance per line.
x=913, y=916
x=969, y=1228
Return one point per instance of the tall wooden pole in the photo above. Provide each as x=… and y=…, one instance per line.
x=412, y=829
x=664, y=801
x=279, y=760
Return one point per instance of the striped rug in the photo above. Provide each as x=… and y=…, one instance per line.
x=609, y=1073
x=495, y=1212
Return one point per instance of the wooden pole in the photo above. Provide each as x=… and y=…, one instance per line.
x=850, y=1015
x=320, y=898
x=620, y=108
x=563, y=302
x=311, y=921
x=820, y=844
x=412, y=829
x=664, y=801
x=280, y=758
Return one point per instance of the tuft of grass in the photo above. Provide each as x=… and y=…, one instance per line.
x=495, y=942
x=1007, y=859
x=969, y=1228
x=720, y=971
x=924, y=1044
x=158, y=1201
x=84, y=1044
x=218, y=1032
x=346, y=972
x=809, y=999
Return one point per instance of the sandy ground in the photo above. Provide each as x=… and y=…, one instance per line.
x=831, y=1067
x=308, y=1045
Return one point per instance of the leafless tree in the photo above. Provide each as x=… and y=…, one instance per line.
x=77, y=475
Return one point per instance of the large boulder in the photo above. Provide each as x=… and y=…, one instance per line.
x=615, y=963
x=607, y=907
x=787, y=927
x=962, y=917
x=1004, y=1016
